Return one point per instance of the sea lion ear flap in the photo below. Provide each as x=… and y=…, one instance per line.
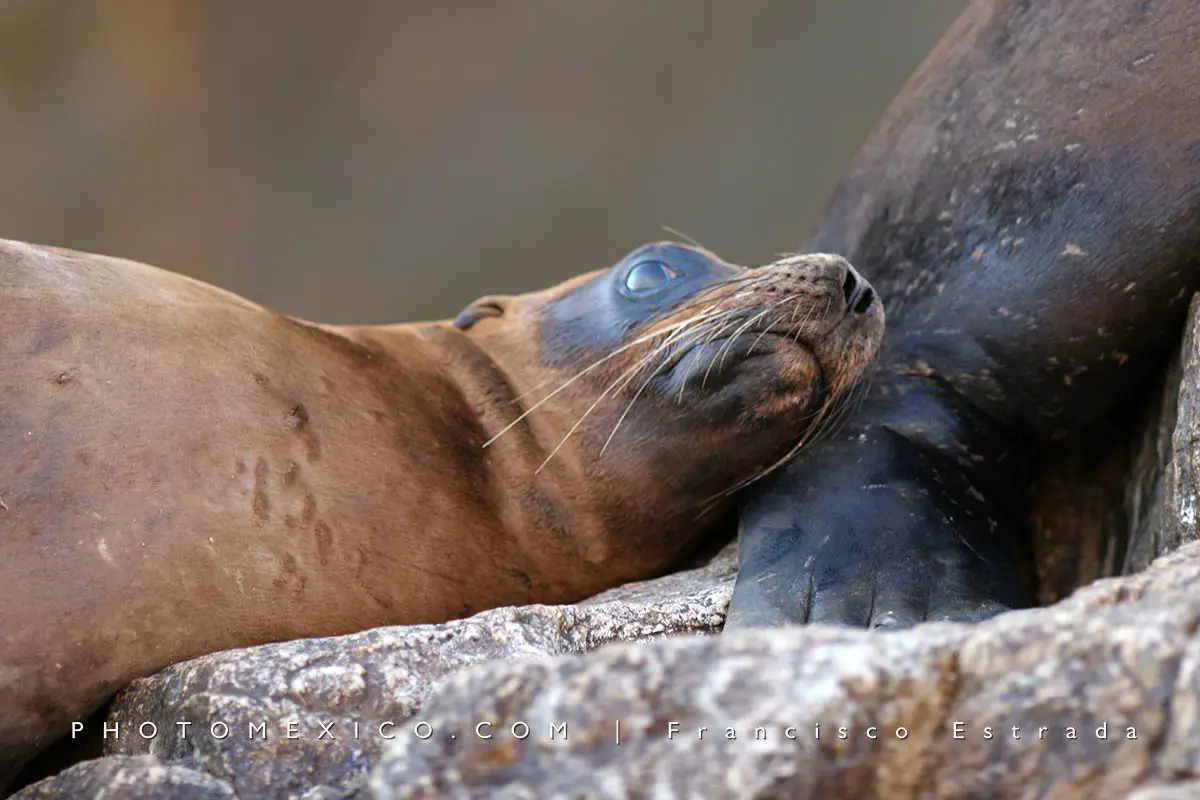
x=494, y=305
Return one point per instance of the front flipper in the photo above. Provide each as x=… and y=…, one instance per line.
x=911, y=516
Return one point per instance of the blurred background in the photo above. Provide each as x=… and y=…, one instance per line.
x=386, y=160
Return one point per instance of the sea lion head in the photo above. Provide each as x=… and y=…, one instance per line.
x=668, y=381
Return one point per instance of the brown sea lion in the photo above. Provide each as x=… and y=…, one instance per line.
x=183, y=471
x=1029, y=210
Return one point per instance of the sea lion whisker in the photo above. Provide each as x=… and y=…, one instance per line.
x=673, y=330
x=856, y=395
x=640, y=340
x=687, y=375
x=737, y=334
x=683, y=349
x=713, y=331
x=628, y=376
x=712, y=362
x=806, y=439
x=680, y=339
x=823, y=412
x=848, y=400
x=742, y=283
x=698, y=328
x=809, y=314
x=831, y=424
x=796, y=306
x=579, y=374
x=746, y=325
x=579, y=422
x=772, y=467
x=625, y=378
x=629, y=407
x=845, y=404
x=690, y=240
x=710, y=321
x=770, y=328
x=647, y=336
x=795, y=299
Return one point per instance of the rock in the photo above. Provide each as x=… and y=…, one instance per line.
x=1164, y=502
x=1119, y=656
x=1185, y=790
x=129, y=778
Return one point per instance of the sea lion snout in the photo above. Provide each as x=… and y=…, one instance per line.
x=813, y=313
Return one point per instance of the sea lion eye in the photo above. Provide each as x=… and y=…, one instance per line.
x=646, y=276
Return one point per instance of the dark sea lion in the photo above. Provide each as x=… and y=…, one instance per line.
x=183, y=471
x=1029, y=210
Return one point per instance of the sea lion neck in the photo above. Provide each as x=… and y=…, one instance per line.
x=557, y=493
x=549, y=502
x=487, y=389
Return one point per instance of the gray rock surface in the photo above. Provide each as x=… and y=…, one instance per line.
x=1184, y=790
x=129, y=778
x=1122, y=654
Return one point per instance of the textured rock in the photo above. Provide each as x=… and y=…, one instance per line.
x=1186, y=790
x=1165, y=502
x=129, y=778
x=1121, y=654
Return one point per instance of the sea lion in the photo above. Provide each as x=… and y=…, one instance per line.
x=183, y=471
x=1029, y=210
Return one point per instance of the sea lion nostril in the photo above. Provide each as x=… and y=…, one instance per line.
x=857, y=292
x=849, y=285
x=865, y=298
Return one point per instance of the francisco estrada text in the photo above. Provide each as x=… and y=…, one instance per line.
x=342, y=730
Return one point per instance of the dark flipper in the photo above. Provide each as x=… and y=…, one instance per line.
x=891, y=522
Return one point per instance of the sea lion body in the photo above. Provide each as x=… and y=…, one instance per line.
x=1029, y=210
x=183, y=471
